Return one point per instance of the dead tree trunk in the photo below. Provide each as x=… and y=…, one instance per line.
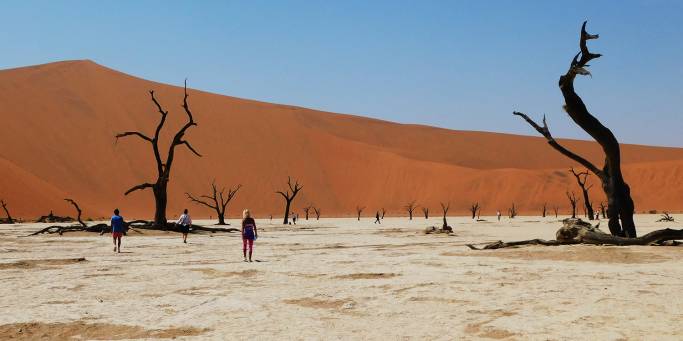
x=602, y=210
x=216, y=201
x=307, y=209
x=359, y=210
x=317, y=213
x=425, y=211
x=581, y=179
x=411, y=208
x=473, y=209
x=572, y=201
x=512, y=211
x=444, y=209
x=620, y=207
x=159, y=187
x=78, y=209
x=4, y=207
x=556, y=209
x=545, y=206
x=289, y=195
x=383, y=211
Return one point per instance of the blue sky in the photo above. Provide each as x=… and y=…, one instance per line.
x=455, y=64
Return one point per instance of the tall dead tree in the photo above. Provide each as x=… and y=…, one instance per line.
x=473, y=209
x=556, y=209
x=444, y=210
x=572, y=200
x=359, y=210
x=620, y=207
x=78, y=210
x=581, y=179
x=545, y=208
x=382, y=212
x=159, y=187
x=411, y=208
x=602, y=210
x=317, y=212
x=9, y=216
x=217, y=200
x=425, y=211
x=307, y=210
x=512, y=211
x=289, y=195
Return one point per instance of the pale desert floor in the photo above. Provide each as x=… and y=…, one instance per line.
x=340, y=279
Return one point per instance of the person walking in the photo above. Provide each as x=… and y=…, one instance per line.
x=118, y=226
x=249, y=234
x=184, y=222
x=498, y=214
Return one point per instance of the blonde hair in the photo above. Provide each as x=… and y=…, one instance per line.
x=246, y=214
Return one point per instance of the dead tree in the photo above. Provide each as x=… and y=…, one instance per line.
x=665, y=217
x=289, y=195
x=425, y=211
x=217, y=200
x=556, y=209
x=9, y=219
x=444, y=210
x=159, y=187
x=317, y=212
x=545, y=207
x=52, y=218
x=581, y=179
x=620, y=207
x=572, y=200
x=383, y=212
x=512, y=211
x=78, y=209
x=473, y=209
x=602, y=210
x=359, y=210
x=307, y=209
x=411, y=208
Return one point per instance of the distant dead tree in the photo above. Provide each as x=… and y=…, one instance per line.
x=545, y=207
x=556, y=209
x=425, y=211
x=665, y=217
x=473, y=209
x=78, y=210
x=9, y=219
x=411, y=208
x=581, y=179
x=359, y=210
x=620, y=207
x=602, y=210
x=572, y=200
x=307, y=209
x=317, y=212
x=512, y=211
x=159, y=187
x=444, y=210
x=382, y=213
x=217, y=200
x=289, y=195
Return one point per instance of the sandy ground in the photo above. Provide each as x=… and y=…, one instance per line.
x=339, y=279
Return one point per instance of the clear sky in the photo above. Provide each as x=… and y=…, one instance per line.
x=455, y=64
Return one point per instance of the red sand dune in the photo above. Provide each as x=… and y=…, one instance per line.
x=58, y=141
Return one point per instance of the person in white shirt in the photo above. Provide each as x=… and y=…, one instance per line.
x=185, y=222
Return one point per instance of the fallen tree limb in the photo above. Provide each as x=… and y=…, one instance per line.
x=577, y=231
x=134, y=225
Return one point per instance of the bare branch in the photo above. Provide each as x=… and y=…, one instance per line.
x=133, y=133
x=199, y=201
x=78, y=209
x=139, y=187
x=190, y=147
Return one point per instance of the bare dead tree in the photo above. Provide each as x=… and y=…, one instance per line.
x=307, y=209
x=444, y=209
x=479, y=213
x=217, y=200
x=665, y=217
x=620, y=207
x=581, y=179
x=425, y=211
x=317, y=212
x=159, y=187
x=383, y=212
x=411, y=208
x=289, y=195
x=556, y=209
x=473, y=209
x=602, y=210
x=572, y=200
x=359, y=210
x=78, y=209
x=512, y=211
x=545, y=208
x=4, y=207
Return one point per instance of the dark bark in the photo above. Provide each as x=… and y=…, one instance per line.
x=289, y=195
x=545, y=207
x=512, y=211
x=359, y=210
x=317, y=213
x=9, y=216
x=217, y=200
x=581, y=179
x=159, y=187
x=556, y=209
x=383, y=211
x=572, y=200
x=620, y=208
x=665, y=217
x=411, y=208
x=307, y=209
x=78, y=209
x=444, y=209
x=132, y=225
x=51, y=218
x=473, y=209
x=425, y=211
x=602, y=210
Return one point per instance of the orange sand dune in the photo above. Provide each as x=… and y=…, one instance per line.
x=58, y=141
